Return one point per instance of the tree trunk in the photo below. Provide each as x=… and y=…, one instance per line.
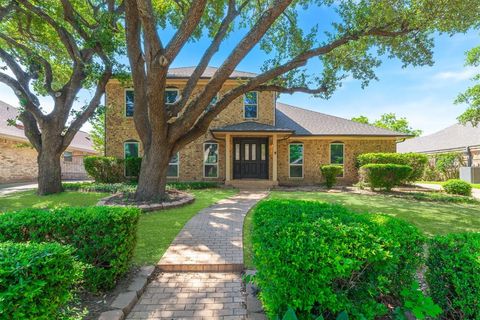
x=49, y=171
x=153, y=174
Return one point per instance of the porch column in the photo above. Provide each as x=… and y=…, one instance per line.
x=228, y=156
x=274, y=160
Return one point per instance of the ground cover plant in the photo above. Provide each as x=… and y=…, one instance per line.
x=457, y=186
x=36, y=279
x=104, y=238
x=453, y=274
x=322, y=259
x=131, y=186
x=384, y=176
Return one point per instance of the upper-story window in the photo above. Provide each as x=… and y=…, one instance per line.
x=212, y=103
x=129, y=100
x=250, y=105
x=171, y=95
x=68, y=156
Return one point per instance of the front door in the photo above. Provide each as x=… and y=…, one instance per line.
x=250, y=158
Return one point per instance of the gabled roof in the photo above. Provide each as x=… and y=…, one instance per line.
x=307, y=123
x=186, y=72
x=250, y=126
x=80, y=142
x=456, y=136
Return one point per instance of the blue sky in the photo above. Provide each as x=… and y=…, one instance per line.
x=424, y=95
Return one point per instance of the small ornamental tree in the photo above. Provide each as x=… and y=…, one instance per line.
x=363, y=31
x=55, y=49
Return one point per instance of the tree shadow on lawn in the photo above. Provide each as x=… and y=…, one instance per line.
x=431, y=217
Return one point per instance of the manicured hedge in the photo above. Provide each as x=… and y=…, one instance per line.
x=131, y=187
x=36, y=279
x=384, y=176
x=322, y=259
x=104, y=237
x=104, y=169
x=457, y=186
x=417, y=161
x=330, y=173
x=453, y=274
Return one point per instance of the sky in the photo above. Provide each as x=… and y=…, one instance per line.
x=424, y=95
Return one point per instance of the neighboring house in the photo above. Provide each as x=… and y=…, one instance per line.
x=464, y=139
x=254, y=140
x=18, y=158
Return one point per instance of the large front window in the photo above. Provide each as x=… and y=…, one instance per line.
x=172, y=171
x=250, y=104
x=210, y=160
x=295, y=159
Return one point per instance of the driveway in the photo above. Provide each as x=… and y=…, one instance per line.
x=8, y=188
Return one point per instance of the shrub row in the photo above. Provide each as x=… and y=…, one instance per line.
x=36, y=279
x=330, y=173
x=322, y=259
x=103, y=237
x=131, y=187
x=384, y=176
x=417, y=161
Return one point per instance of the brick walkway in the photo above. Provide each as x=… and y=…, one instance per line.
x=201, y=268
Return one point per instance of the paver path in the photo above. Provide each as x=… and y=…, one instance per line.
x=210, y=242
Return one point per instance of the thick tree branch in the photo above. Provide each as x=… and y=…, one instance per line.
x=4, y=11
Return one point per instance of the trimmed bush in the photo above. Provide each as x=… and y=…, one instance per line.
x=384, y=176
x=453, y=274
x=131, y=187
x=104, y=237
x=417, y=161
x=457, y=186
x=322, y=259
x=36, y=279
x=330, y=172
x=195, y=185
x=132, y=167
x=104, y=169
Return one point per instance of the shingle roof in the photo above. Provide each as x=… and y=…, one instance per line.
x=249, y=126
x=307, y=122
x=186, y=72
x=81, y=141
x=453, y=137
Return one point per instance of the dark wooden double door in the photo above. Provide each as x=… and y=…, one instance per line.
x=250, y=158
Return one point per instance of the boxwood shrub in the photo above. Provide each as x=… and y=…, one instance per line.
x=457, y=186
x=322, y=259
x=104, y=169
x=385, y=176
x=330, y=173
x=417, y=161
x=36, y=279
x=104, y=237
x=453, y=274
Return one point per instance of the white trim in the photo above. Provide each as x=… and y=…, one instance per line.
x=125, y=102
x=172, y=89
x=245, y=118
x=175, y=164
x=297, y=165
x=343, y=158
x=210, y=164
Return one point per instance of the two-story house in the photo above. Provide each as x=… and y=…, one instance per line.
x=255, y=140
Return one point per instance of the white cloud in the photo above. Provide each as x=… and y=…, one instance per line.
x=460, y=75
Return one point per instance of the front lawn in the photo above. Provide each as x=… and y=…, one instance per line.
x=29, y=199
x=474, y=185
x=156, y=230
x=431, y=217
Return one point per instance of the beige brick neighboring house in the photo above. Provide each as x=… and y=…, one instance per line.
x=18, y=159
x=255, y=140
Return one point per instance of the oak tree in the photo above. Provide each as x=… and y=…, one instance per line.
x=391, y=122
x=55, y=49
x=361, y=35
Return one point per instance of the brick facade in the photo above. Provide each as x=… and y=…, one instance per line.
x=120, y=129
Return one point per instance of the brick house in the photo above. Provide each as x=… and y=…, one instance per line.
x=18, y=158
x=254, y=140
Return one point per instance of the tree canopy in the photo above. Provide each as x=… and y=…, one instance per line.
x=391, y=122
x=471, y=96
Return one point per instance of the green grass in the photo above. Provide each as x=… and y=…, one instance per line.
x=156, y=230
x=431, y=217
x=28, y=199
x=474, y=185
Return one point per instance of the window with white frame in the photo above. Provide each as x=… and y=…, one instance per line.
x=173, y=166
x=337, y=154
x=250, y=105
x=68, y=156
x=130, y=149
x=210, y=160
x=295, y=160
x=171, y=95
x=129, y=102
